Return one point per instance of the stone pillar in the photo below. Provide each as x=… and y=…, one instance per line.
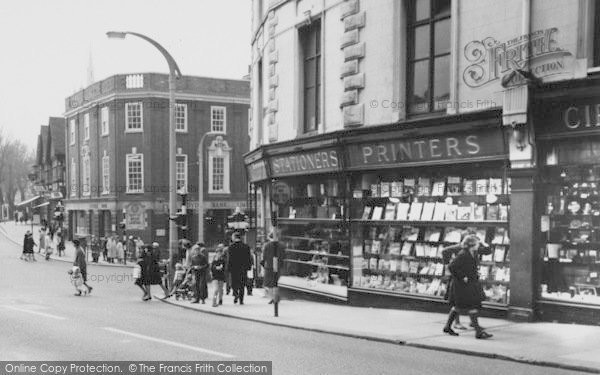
x=354, y=50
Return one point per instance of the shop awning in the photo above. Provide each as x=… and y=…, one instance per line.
x=27, y=201
x=42, y=205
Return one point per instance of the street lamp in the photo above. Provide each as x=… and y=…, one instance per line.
x=174, y=73
x=201, y=185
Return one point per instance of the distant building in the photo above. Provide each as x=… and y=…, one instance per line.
x=118, y=162
x=48, y=177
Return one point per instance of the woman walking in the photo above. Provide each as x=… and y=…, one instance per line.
x=272, y=259
x=466, y=293
x=199, y=263
x=28, y=244
x=153, y=274
x=217, y=268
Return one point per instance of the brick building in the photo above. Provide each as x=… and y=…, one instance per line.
x=117, y=154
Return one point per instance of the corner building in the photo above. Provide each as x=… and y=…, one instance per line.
x=383, y=129
x=118, y=161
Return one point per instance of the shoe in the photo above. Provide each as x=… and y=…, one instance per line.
x=203, y=302
x=78, y=294
x=241, y=302
x=459, y=326
x=483, y=335
x=196, y=301
x=235, y=300
x=90, y=290
x=472, y=326
x=249, y=294
x=449, y=331
x=214, y=305
x=220, y=302
x=271, y=302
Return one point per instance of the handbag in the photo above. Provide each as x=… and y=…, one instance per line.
x=250, y=274
x=137, y=271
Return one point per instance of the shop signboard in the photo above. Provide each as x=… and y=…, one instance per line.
x=567, y=117
x=468, y=146
x=305, y=162
x=257, y=171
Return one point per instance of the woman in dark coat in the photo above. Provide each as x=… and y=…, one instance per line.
x=272, y=259
x=199, y=263
x=28, y=244
x=466, y=290
x=152, y=274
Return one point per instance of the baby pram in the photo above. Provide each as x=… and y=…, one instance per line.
x=185, y=289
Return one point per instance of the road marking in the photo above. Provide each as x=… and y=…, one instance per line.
x=167, y=342
x=36, y=313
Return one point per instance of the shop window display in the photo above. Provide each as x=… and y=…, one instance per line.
x=401, y=222
x=315, y=236
x=570, y=227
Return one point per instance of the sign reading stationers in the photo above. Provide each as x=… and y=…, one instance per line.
x=470, y=146
x=318, y=161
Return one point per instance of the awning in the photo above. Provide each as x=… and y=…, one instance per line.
x=42, y=205
x=27, y=201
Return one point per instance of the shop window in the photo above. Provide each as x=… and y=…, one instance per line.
x=309, y=215
x=570, y=222
x=181, y=118
x=134, y=118
x=135, y=173
x=401, y=222
x=428, y=55
x=310, y=40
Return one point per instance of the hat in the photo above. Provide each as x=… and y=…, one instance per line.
x=235, y=236
x=76, y=242
x=155, y=244
x=28, y=233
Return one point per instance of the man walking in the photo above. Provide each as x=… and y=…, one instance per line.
x=239, y=263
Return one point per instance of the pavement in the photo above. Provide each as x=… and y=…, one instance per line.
x=565, y=346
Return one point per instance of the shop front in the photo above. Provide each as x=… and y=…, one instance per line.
x=568, y=197
x=416, y=191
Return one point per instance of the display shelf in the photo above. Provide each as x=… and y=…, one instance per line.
x=304, y=285
x=317, y=264
x=483, y=223
x=317, y=253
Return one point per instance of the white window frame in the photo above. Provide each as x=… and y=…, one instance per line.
x=104, y=116
x=105, y=174
x=86, y=127
x=185, y=117
x=71, y=132
x=212, y=119
x=73, y=173
x=129, y=158
x=211, y=175
x=86, y=176
x=134, y=130
x=181, y=158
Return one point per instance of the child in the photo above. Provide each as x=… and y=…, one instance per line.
x=217, y=268
x=178, y=279
x=77, y=280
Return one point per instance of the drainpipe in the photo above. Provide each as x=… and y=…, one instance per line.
x=454, y=78
x=322, y=70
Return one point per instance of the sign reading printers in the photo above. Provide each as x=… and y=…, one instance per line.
x=490, y=59
x=476, y=145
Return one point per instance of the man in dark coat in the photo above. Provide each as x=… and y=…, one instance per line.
x=466, y=287
x=239, y=263
x=81, y=263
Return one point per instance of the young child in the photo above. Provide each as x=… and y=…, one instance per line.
x=77, y=281
x=178, y=279
x=217, y=268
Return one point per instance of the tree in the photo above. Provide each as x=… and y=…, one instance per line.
x=16, y=160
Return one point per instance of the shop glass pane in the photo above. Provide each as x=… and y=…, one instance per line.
x=419, y=98
x=310, y=73
x=422, y=9
x=441, y=83
x=310, y=121
x=441, y=8
x=421, y=42
x=442, y=37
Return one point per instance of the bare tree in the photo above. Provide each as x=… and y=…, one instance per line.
x=16, y=161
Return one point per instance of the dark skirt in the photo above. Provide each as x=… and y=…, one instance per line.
x=465, y=296
x=271, y=279
x=200, y=285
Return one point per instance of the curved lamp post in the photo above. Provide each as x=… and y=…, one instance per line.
x=174, y=73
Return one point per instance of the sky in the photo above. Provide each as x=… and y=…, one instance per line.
x=48, y=47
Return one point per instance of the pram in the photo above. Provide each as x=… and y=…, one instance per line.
x=185, y=289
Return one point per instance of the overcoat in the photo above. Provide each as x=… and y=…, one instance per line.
x=465, y=295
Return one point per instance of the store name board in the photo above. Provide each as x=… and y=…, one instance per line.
x=257, y=171
x=580, y=117
x=211, y=205
x=568, y=118
x=410, y=151
x=490, y=59
x=316, y=161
